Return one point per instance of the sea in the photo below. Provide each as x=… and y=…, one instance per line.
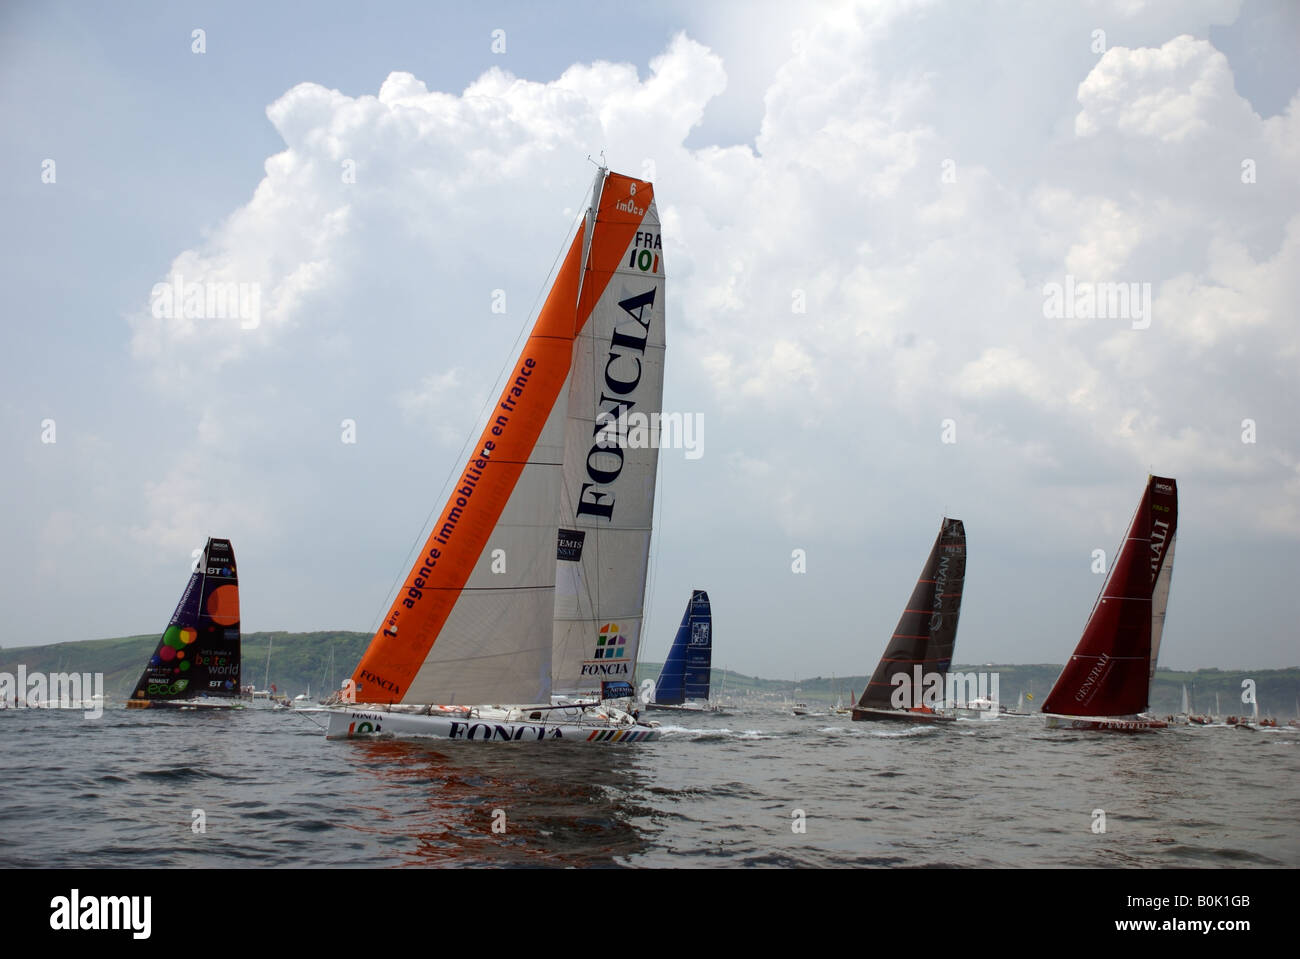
x=758, y=788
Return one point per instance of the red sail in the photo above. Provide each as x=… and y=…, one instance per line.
x=1110, y=671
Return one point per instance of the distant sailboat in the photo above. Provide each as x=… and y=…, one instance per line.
x=722, y=707
x=197, y=661
x=1106, y=685
x=683, y=684
x=840, y=709
x=562, y=483
x=902, y=687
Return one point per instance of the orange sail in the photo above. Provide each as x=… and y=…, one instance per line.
x=473, y=621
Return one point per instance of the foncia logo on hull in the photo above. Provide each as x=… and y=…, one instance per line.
x=610, y=658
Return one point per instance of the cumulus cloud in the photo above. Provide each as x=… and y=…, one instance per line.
x=1178, y=92
x=871, y=266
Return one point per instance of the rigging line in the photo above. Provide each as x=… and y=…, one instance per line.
x=1114, y=560
x=490, y=398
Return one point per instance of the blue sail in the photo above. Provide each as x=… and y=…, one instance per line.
x=689, y=664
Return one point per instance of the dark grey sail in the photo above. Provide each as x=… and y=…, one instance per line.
x=926, y=633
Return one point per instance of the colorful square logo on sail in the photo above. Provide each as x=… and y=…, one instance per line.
x=610, y=644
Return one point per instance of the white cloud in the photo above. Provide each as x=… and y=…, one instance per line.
x=922, y=299
x=1181, y=91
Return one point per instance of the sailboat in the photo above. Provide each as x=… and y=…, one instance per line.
x=1107, y=682
x=1184, y=714
x=521, y=619
x=683, y=684
x=839, y=709
x=196, y=663
x=722, y=707
x=268, y=697
x=915, y=662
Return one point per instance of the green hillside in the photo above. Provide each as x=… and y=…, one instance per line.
x=298, y=660
x=302, y=660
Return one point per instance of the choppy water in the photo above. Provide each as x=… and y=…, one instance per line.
x=730, y=791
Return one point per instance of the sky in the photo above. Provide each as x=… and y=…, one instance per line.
x=879, y=223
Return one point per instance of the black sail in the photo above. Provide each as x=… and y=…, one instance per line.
x=198, y=652
x=927, y=631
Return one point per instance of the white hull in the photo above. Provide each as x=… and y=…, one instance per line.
x=491, y=724
x=710, y=709
x=206, y=702
x=1123, y=724
x=967, y=712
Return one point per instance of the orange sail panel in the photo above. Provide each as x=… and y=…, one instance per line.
x=512, y=472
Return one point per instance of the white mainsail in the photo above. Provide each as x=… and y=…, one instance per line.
x=611, y=456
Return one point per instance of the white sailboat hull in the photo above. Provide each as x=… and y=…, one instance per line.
x=491, y=724
x=206, y=702
x=1122, y=724
x=713, y=709
x=977, y=709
